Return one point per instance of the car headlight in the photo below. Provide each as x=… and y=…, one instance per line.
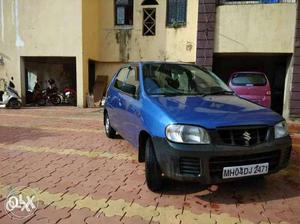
x=281, y=129
x=187, y=134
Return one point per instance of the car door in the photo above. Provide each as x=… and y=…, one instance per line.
x=115, y=100
x=131, y=112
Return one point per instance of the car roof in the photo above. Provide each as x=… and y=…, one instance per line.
x=165, y=62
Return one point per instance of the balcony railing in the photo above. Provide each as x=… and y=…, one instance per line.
x=246, y=2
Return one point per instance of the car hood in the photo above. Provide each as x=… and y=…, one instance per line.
x=215, y=111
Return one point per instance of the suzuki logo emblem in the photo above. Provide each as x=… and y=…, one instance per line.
x=247, y=137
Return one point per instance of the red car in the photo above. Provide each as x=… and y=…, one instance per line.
x=253, y=86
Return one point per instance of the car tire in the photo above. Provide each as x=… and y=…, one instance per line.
x=109, y=131
x=153, y=172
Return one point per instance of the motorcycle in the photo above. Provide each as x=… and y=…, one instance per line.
x=10, y=98
x=37, y=96
x=51, y=94
x=50, y=97
x=68, y=96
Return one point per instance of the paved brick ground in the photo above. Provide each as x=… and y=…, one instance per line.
x=80, y=176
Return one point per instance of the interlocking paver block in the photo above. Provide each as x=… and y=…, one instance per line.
x=83, y=176
x=49, y=198
x=49, y=215
x=68, y=201
x=77, y=216
x=101, y=218
x=90, y=203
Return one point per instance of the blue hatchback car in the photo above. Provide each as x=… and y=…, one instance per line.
x=187, y=125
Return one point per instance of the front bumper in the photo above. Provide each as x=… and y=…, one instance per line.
x=204, y=163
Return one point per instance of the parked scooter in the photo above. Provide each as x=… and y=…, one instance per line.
x=9, y=97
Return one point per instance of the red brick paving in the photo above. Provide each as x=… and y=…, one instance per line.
x=274, y=199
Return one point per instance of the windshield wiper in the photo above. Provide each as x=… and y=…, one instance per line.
x=183, y=94
x=172, y=94
x=165, y=94
x=223, y=92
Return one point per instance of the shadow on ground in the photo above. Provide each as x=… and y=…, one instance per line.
x=11, y=135
x=282, y=185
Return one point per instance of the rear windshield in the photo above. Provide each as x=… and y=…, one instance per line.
x=249, y=79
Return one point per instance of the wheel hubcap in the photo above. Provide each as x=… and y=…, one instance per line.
x=107, y=124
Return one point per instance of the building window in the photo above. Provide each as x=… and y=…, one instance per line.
x=149, y=24
x=176, y=13
x=123, y=12
x=149, y=2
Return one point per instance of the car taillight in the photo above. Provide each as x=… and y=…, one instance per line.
x=268, y=93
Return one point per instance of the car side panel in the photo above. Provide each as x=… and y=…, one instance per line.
x=154, y=118
x=132, y=120
x=111, y=107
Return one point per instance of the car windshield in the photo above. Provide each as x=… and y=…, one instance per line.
x=180, y=79
x=249, y=79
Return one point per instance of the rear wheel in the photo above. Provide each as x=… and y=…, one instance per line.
x=72, y=100
x=14, y=104
x=55, y=99
x=42, y=102
x=109, y=131
x=154, y=177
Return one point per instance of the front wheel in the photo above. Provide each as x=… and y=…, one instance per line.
x=154, y=177
x=14, y=104
x=42, y=102
x=109, y=131
x=55, y=100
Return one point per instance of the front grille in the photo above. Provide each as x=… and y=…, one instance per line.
x=190, y=166
x=216, y=164
x=243, y=136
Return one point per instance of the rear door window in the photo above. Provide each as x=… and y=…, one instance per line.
x=249, y=79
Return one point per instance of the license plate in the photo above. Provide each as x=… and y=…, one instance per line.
x=244, y=171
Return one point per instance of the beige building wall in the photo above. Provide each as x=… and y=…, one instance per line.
x=108, y=68
x=91, y=32
x=121, y=44
x=85, y=29
x=182, y=42
x=40, y=28
x=267, y=28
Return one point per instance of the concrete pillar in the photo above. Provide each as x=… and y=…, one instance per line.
x=288, y=88
x=82, y=81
